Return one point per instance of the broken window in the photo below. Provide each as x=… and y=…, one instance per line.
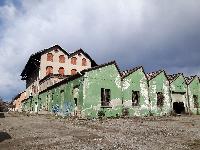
x=62, y=59
x=73, y=71
x=84, y=62
x=160, y=99
x=73, y=60
x=49, y=70
x=50, y=57
x=34, y=89
x=135, y=98
x=61, y=71
x=105, y=97
x=75, y=101
x=196, y=103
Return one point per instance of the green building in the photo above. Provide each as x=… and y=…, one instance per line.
x=193, y=91
x=159, y=93
x=178, y=89
x=102, y=91
x=135, y=92
x=85, y=94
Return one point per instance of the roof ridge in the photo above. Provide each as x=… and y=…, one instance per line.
x=127, y=72
x=100, y=66
x=189, y=79
x=86, y=54
x=153, y=74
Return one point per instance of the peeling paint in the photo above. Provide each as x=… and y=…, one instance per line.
x=126, y=84
x=118, y=81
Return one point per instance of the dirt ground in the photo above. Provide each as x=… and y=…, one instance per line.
x=18, y=131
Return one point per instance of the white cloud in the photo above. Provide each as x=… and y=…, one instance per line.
x=106, y=29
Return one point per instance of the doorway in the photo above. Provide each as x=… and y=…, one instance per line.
x=62, y=97
x=178, y=107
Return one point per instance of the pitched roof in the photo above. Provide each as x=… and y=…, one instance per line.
x=18, y=95
x=173, y=77
x=51, y=48
x=78, y=75
x=34, y=60
x=152, y=75
x=24, y=100
x=51, y=75
x=188, y=80
x=70, y=78
x=128, y=72
x=93, y=63
x=102, y=65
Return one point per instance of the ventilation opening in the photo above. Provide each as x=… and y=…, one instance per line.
x=179, y=107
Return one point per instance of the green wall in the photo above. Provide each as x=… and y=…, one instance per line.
x=105, y=77
x=194, y=89
x=136, y=81
x=85, y=90
x=62, y=104
x=159, y=84
x=179, y=86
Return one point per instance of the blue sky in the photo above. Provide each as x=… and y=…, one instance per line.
x=155, y=34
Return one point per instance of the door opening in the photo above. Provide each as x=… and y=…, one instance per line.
x=178, y=107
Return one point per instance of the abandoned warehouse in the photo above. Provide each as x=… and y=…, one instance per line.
x=72, y=84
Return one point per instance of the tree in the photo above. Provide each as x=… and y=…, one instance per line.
x=3, y=105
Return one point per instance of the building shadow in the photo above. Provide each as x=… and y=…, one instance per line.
x=4, y=136
x=2, y=115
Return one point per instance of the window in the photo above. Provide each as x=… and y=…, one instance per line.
x=34, y=89
x=50, y=57
x=135, y=98
x=61, y=71
x=73, y=60
x=84, y=62
x=196, y=103
x=49, y=70
x=73, y=71
x=75, y=101
x=160, y=99
x=62, y=59
x=105, y=97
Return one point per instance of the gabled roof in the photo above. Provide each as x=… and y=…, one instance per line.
x=18, y=95
x=102, y=65
x=24, y=100
x=93, y=63
x=152, y=75
x=173, y=77
x=70, y=78
x=78, y=75
x=34, y=60
x=51, y=48
x=188, y=80
x=51, y=75
x=128, y=72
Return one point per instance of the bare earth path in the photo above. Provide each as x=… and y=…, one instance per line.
x=46, y=132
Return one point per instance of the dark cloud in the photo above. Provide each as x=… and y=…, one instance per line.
x=156, y=34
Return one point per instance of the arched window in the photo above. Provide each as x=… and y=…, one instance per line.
x=49, y=70
x=61, y=71
x=62, y=59
x=73, y=71
x=73, y=60
x=50, y=57
x=84, y=62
